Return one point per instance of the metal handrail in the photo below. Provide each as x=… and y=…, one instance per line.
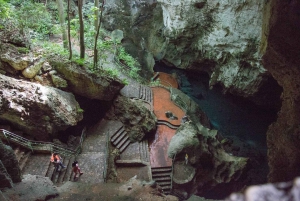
x=43, y=146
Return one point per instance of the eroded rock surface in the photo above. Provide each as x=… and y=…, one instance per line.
x=218, y=37
x=282, y=59
x=32, y=187
x=211, y=164
x=137, y=119
x=11, y=170
x=37, y=110
x=86, y=84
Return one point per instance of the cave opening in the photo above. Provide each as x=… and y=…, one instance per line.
x=242, y=120
x=93, y=111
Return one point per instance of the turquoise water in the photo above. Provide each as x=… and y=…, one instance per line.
x=231, y=115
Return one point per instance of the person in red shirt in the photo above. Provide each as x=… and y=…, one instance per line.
x=56, y=160
x=76, y=169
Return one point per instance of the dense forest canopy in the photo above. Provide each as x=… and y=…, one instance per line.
x=77, y=23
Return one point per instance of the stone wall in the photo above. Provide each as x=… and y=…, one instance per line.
x=282, y=59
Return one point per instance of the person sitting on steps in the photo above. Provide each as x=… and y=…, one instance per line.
x=56, y=160
x=76, y=170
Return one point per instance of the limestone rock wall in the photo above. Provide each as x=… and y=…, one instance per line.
x=9, y=167
x=212, y=165
x=86, y=84
x=219, y=37
x=37, y=110
x=282, y=59
x=138, y=120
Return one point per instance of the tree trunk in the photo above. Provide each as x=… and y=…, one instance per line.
x=97, y=35
x=96, y=13
x=81, y=30
x=69, y=34
x=60, y=7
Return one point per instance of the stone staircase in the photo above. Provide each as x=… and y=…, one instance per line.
x=120, y=139
x=162, y=176
x=63, y=175
x=22, y=156
x=29, y=161
x=145, y=93
x=144, y=151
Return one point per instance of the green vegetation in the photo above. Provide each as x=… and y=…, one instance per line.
x=23, y=50
x=38, y=21
x=4, y=9
x=128, y=60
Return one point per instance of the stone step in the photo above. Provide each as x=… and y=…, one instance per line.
x=67, y=176
x=120, y=138
x=166, y=187
x=117, y=134
x=120, y=143
x=161, y=169
x=125, y=145
x=62, y=173
x=50, y=170
x=160, y=179
x=163, y=174
x=24, y=160
x=164, y=184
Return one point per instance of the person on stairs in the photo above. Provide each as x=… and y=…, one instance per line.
x=76, y=170
x=56, y=160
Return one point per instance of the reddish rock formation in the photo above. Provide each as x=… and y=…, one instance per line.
x=281, y=49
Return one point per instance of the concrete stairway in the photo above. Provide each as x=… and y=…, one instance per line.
x=63, y=175
x=144, y=151
x=22, y=156
x=120, y=139
x=162, y=176
x=146, y=93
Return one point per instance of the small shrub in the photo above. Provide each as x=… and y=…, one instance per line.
x=23, y=50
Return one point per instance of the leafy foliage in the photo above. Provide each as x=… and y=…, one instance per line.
x=33, y=16
x=132, y=63
x=4, y=9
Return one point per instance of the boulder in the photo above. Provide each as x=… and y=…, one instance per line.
x=32, y=187
x=201, y=158
x=58, y=81
x=37, y=110
x=33, y=70
x=138, y=120
x=5, y=180
x=85, y=83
